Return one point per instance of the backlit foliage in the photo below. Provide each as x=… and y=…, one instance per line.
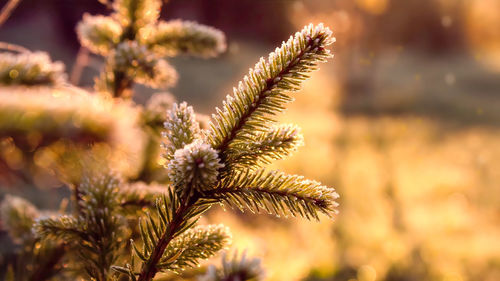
x=235, y=267
x=30, y=69
x=135, y=43
x=153, y=211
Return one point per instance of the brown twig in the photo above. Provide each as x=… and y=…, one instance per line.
x=7, y=10
x=48, y=268
x=82, y=60
x=122, y=87
x=13, y=47
x=106, y=3
x=149, y=269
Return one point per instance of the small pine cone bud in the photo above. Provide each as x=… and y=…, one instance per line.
x=196, y=165
x=181, y=128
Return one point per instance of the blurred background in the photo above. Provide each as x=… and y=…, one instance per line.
x=404, y=122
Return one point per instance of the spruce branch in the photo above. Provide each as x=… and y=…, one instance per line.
x=62, y=227
x=37, y=260
x=52, y=117
x=64, y=114
x=218, y=164
x=134, y=14
x=94, y=232
x=276, y=193
x=144, y=66
x=198, y=243
x=262, y=93
x=136, y=44
x=130, y=59
x=99, y=34
x=176, y=37
x=30, y=69
x=276, y=143
x=18, y=216
x=174, y=216
x=99, y=213
x=194, y=165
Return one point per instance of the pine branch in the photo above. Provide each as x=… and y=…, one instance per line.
x=51, y=117
x=101, y=224
x=18, y=216
x=276, y=193
x=94, y=233
x=30, y=69
x=262, y=92
x=63, y=227
x=64, y=122
x=193, y=164
x=174, y=217
x=38, y=260
x=277, y=143
x=240, y=137
x=131, y=62
x=134, y=14
x=99, y=34
x=131, y=15
x=143, y=65
x=198, y=243
x=176, y=37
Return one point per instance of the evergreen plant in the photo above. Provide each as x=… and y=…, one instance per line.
x=130, y=217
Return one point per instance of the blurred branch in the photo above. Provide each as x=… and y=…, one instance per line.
x=49, y=267
x=7, y=10
x=106, y=3
x=13, y=47
x=82, y=60
x=12, y=175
